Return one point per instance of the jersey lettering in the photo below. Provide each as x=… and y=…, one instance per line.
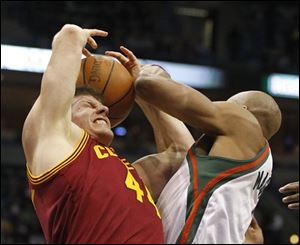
x=132, y=184
x=104, y=152
x=261, y=182
x=152, y=202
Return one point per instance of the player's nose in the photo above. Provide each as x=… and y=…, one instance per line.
x=102, y=109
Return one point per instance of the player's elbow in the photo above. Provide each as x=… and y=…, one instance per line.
x=181, y=147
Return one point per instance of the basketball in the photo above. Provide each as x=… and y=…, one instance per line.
x=112, y=84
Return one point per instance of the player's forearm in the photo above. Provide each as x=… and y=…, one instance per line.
x=152, y=115
x=167, y=129
x=178, y=100
x=58, y=84
x=174, y=133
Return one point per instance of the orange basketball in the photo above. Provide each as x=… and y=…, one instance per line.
x=111, y=81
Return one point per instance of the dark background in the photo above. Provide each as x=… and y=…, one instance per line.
x=247, y=40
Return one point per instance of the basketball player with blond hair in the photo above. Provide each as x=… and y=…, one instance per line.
x=211, y=197
x=81, y=189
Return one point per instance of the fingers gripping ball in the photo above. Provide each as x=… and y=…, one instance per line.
x=111, y=82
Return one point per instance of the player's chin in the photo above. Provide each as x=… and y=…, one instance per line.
x=105, y=136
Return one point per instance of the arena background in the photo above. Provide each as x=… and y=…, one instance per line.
x=245, y=40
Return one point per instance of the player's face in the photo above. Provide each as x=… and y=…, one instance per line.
x=92, y=116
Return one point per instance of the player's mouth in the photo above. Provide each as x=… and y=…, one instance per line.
x=101, y=120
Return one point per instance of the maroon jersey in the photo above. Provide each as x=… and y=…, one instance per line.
x=94, y=196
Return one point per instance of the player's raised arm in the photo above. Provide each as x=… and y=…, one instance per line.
x=51, y=113
x=58, y=83
x=172, y=137
x=182, y=102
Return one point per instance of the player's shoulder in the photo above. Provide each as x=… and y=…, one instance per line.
x=48, y=151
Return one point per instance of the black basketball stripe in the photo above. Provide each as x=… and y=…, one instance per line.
x=83, y=72
x=117, y=120
x=114, y=118
x=108, y=79
x=113, y=104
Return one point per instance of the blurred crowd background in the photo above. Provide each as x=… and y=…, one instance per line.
x=246, y=40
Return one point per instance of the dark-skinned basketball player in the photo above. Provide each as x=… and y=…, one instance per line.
x=211, y=197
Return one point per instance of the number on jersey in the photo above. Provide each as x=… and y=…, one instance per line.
x=132, y=184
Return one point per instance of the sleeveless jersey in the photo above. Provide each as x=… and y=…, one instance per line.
x=94, y=196
x=210, y=200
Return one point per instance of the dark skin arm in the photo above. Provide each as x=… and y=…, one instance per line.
x=172, y=137
x=293, y=198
